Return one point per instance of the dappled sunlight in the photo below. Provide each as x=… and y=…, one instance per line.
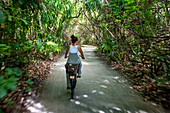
x=103, y=86
x=72, y=100
x=90, y=57
x=100, y=111
x=33, y=110
x=94, y=109
x=38, y=105
x=77, y=97
x=89, y=63
x=62, y=68
x=106, y=81
x=102, y=93
x=88, y=54
x=125, y=62
x=97, y=111
x=131, y=87
x=116, y=77
x=79, y=103
x=85, y=63
x=141, y=111
x=110, y=111
x=94, y=91
x=50, y=72
x=59, y=64
x=154, y=104
x=128, y=111
x=116, y=108
x=34, y=107
x=121, y=81
x=85, y=96
x=83, y=105
x=89, y=48
x=101, y=90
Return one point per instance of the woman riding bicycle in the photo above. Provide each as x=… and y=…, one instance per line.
x=74, y=52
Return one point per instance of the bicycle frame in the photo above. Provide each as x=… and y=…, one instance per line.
x=73, y=78
x=71, y=69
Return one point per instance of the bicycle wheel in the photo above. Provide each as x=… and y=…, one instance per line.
x=72, y=93
x=72, y=88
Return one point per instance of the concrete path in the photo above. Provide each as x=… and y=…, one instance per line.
x=100, y=90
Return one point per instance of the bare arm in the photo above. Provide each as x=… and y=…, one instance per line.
x=67, y=52
x=81, y=52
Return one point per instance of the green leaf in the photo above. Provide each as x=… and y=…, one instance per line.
x=8, y=101
x=9, y=71
x=117, y=20
x=161, y=57
x=21, y=1
x=12, y=86
x=133, y=56
x=1, y=110
x=26, y=48
x=29, y=81
x=28, y=89
x=133, y=51
x=34, y=5
x=1, y=77
x=4, y=47
x=9, y=17
x=168, y=77
x=25, y=59
x=2, y=92
x=5, y=53
x=12, y=79
x=26, y=23
x=2, y=17
x=115, y=58
x=2, y=80
x=18, y=71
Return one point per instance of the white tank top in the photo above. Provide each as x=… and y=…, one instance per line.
x=73, y=49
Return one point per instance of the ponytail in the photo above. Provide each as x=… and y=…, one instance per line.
x=73, y=39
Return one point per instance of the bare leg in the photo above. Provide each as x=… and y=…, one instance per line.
x=79, y=70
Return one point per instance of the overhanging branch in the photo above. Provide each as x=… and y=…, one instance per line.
x=77, y=15
x=74, y=16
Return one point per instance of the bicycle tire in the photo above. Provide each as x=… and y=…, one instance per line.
x=72, y=88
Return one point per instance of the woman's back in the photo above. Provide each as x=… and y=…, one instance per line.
x=73, y=57
x=74, y=49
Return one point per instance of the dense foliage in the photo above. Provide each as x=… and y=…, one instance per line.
x=131, y=32
x=134, y=31
x=135, y=34
x=30, y=30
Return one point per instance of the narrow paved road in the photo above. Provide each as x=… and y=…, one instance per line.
x=100, y=90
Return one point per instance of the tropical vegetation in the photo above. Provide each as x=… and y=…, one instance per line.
x=132, y=33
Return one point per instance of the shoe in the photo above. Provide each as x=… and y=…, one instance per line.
x=68, y=87
x=78, y=76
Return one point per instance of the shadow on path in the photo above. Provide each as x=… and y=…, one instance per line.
x=99, y=90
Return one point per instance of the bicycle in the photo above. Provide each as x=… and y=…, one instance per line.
x=71, y=69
